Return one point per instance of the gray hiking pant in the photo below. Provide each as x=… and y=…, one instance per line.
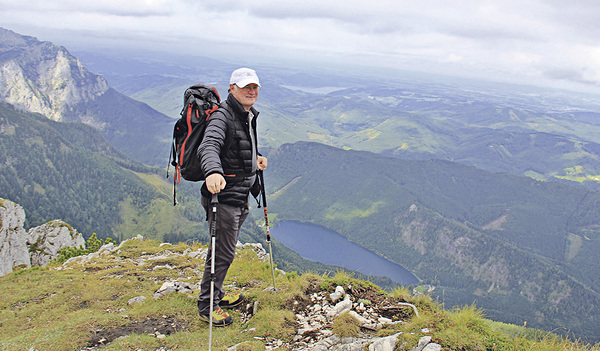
x=229, y=222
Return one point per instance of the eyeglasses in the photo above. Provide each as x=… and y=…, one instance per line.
x=249, y=87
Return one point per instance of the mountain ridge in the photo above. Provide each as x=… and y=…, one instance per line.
x=44, y=78
x=100, y=189
x=544, y=134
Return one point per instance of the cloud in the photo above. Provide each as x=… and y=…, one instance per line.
x=130, y=8
x=522, y=41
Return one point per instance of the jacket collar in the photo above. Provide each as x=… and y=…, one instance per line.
x=237, y=107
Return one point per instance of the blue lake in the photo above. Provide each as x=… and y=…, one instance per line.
x=317, y=243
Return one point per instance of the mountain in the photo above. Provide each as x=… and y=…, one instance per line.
x=525, y=250
x=44, y=78
x=102, y=191
x=68, y=171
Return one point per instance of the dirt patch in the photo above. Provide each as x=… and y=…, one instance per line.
x=368, y=293
x=298, y=303
x=495, y=224
x=154, y=326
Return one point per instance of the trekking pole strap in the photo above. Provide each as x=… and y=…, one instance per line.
x=213, y=233
x=264, y=200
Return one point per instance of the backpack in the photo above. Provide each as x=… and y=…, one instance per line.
x=199, y=102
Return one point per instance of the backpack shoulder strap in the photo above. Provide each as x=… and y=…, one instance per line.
x=223, y=106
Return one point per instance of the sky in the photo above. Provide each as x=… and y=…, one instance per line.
x=554, y=43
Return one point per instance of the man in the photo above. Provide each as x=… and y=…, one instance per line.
x=230, y=159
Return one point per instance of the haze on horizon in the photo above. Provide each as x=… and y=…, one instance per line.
x=552, y=43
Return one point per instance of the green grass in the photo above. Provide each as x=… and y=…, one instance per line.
x=345, y=325
x=61, y=308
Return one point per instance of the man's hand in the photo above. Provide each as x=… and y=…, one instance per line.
x=261, y=163
x=215, y=183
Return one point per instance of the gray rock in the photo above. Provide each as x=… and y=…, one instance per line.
x=13, y=238
x=423, y=341
x=384, y=344
x=337, y=294
x=433, y=347
x=38, y=246
x=341, y=307
x=137, y=299
x=46, y=241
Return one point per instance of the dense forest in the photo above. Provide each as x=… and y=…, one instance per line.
x=68, y=171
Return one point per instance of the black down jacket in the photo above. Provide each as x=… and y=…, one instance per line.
x=227, y=149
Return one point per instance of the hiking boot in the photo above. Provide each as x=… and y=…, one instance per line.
x=231, y=300
x=220, y=318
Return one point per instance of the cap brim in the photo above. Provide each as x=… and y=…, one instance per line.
x=242, y=83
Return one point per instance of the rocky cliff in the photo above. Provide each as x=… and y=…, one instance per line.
x=35, y=247
x=45, y=78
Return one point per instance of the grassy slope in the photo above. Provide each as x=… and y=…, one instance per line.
x=65, y=307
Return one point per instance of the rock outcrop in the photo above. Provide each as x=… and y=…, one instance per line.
x=315, y=313
x=35, y=247
x=13, y=237
x=46, y=240
x=40, y=77
x=44, y=78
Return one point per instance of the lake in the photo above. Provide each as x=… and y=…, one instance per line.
x=317, y=243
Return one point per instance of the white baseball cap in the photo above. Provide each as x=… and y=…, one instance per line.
x=244, y=76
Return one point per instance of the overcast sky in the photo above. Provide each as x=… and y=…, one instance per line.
x=550, y=42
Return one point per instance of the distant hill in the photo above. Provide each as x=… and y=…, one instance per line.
x=44, y=78
x=543, y=134
x=524, y=250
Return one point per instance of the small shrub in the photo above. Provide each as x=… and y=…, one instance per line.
x=93, y=244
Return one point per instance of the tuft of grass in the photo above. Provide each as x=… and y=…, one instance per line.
x=345, y=325
x=346, y=279
x=465, y=328
x=274, y=322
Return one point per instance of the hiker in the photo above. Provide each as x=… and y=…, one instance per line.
x=229, y=157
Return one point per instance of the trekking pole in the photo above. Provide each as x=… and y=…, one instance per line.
x=213, y=239
x=264, y=198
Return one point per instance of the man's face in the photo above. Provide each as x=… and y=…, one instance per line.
x=246, y=96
